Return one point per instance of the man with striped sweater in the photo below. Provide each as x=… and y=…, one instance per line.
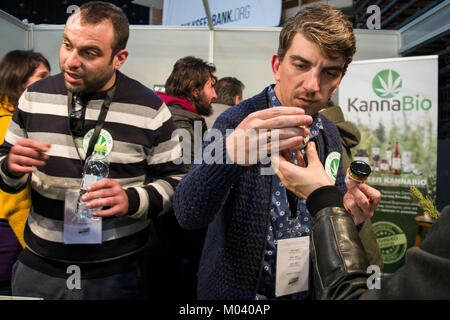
x=47, y=142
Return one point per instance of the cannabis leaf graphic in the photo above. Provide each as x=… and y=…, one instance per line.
x=387, y=83
x=334, y=167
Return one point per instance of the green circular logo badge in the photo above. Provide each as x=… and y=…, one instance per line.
x=104, y=139
x=386, y=83
x=391, y=240
x=332, y=165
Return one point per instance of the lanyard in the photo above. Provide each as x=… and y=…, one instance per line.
x=99, y=124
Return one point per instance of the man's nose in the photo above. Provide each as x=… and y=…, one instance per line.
x=73, y=60
x=312, y=82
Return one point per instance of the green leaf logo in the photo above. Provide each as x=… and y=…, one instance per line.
x=102, y=140
x=387, y=83
x=105, y=139
x=334, y=167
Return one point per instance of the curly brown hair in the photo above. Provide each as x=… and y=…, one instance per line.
x=323, y=25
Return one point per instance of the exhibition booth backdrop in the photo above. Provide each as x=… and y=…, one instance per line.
x=244, y=53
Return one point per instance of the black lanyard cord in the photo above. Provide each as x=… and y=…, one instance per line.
x=99, y=124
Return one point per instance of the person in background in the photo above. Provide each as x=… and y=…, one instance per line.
x=229, y=92
x=18, y=70
x=339, y=261
x=47, y=142
x=350, y=138
x=251, y=217
x=189, y=93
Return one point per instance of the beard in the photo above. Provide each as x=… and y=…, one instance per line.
x=203, y=105
x=92, y=81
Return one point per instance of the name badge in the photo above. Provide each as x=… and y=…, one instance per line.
x=292, y=274
x=79, y=226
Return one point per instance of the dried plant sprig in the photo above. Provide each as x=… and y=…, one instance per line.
x=425, y=203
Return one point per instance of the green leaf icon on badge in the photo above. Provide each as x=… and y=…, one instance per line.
x=332, y=165
x=105, y=139
x=387, y=83
x=101, y=141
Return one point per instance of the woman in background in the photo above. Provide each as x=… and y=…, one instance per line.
x=18, y=70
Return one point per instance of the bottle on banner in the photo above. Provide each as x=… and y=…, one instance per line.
x=396, y=160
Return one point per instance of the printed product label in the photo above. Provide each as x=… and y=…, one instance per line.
x=391, y=240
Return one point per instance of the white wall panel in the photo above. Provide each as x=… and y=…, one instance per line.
x=13, y=34
x=376, y=44
x=47, y=40
x=154, y=51
x=246, y=55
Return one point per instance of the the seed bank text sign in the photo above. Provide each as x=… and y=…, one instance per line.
x=231, y=13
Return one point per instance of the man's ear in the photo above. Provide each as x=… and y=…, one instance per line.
x=337, y=87
x=276, y=67
x=195, y=93
x=120, y=58
x=334, y=90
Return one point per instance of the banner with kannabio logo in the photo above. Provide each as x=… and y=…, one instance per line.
x=394, y=103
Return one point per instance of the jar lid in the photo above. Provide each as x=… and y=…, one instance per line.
x=360, y=168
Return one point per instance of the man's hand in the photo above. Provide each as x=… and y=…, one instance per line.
x=299, y=179
x=261, y=131
x=26, y=155
x=361, y=201
x=106, y=193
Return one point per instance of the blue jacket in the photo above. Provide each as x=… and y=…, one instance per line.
x=235, y=202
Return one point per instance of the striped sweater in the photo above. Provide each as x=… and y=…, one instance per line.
x=141, y=160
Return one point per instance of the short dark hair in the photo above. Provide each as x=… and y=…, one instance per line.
x=324, y=25
x=227, y=89
x=16, y=68
x=95, y=12
x=189, y=73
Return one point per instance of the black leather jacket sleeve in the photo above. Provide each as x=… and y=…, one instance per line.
x=339, y=262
